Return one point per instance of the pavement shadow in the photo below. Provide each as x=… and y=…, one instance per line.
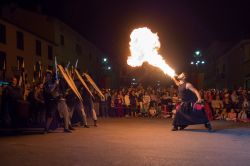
x=226, y=131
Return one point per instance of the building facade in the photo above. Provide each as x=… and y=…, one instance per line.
x=228, y=65
x=23, y=51
x=65, y=43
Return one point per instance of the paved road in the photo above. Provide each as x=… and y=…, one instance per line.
x=132, y=142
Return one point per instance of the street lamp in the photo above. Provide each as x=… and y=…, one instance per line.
x=197, y=53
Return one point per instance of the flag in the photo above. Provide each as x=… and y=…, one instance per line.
x=76, y=64
x=56, y=68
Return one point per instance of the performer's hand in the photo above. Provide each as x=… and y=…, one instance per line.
x=200, y=101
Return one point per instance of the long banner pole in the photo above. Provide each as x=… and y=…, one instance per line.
x=70, y=82
x=83, y=82
x=93, y=84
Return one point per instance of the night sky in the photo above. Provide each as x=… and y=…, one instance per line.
x=183, y=26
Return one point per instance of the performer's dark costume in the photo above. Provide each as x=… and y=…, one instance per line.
x=187, y=113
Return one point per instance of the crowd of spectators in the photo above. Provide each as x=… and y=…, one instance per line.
x=142, y=101
x=161, y=102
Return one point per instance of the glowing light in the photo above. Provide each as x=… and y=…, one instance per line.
x=197, y=52
x=144, y=47
x=109, y=68
x=104, y=59
x=192, y=63
x=202, y=62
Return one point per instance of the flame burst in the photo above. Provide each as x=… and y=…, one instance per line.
x=144, y=47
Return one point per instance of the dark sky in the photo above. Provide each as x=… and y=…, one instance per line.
x=183, y=26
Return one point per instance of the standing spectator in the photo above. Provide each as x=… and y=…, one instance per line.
x=104, y=105
x=40, y=106
x=140, y=100
x=11, y=94
x=112, y=105
x=133, y=106
x=127, y=104
x=118, y=104
x=146, y=101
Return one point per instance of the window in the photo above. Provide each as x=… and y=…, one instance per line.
x=2, y=60
x=19, y=40
x=38, y=48
x=50, y=53
x=2, y=33
x=62, y=40
x=20, y=62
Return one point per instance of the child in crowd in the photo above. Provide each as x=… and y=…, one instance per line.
x=217, y=106
x=231, y=116
x=243, y=113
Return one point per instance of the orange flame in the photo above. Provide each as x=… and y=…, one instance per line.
x=144, y=47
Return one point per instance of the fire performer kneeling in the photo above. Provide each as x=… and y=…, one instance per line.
x=190, y=111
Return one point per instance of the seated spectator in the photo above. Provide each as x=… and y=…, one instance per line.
x=226, y=109
x=217, y=106
x=243, y=113
x=231, y=116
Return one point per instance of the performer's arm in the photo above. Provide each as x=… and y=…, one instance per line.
x=176, y=81
x=194, y=90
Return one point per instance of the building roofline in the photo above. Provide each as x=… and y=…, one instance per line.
x=24, y=29
x=236, y=45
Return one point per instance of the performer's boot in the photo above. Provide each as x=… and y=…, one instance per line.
x=95, y=123
x=209, y=126
x=183, y=127
x=175, y=128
